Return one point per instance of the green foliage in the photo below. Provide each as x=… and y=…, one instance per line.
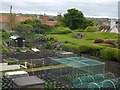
x=6, y=83
x=24, y=30
x=75, y=19
x=71, y=48
x=4, y=48
x=18, y=49
x=30, y=65
x=87, y=22
x=86, y=44
x=61, y=30
x=89, y=49
x=41, y=38
x=48, y=46
x=5, y=35
x=91, y=29
x=111, y=54
x=38, y=26
x=59, y=24
x=11, y=62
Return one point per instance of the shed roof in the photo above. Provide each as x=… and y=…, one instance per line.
x=27, y=81
x=16, y=72
x=14, y=37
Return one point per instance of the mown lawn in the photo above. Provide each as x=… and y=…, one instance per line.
x=88, y=39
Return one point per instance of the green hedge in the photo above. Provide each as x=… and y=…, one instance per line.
x=90, y=49
x=111, y=54
x=91, y=29
x=71, y=48
x=11, y=62
x=61, y=30
x=105, y=53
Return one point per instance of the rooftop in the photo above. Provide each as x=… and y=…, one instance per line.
x=16, y=72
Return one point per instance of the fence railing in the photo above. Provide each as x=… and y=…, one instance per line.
x=110, y=66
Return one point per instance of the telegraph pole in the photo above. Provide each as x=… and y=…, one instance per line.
x=11, y=17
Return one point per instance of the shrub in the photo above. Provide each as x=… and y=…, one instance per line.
x=89, y=49
x=61, y=30
x=49, y=45
x=91, y=29
x=71, y=48
x=98, y=41
x=18, y=49
x=66, y=41
x=111, y=54
x=109, y=42
x=30, y=65
x=11, y=62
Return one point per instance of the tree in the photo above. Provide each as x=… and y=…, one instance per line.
x=75, y=19
x=24, y=29
x=39, y=28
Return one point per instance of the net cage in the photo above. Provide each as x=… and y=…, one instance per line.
x=86, y=73
x=81, y=63
x=105, y=84
x=97, y=81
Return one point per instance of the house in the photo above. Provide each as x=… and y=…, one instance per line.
x=48, y=21
x=8, y=22
x=103, y=27
x=113, y=27
x=31, y=82
x=4, y=22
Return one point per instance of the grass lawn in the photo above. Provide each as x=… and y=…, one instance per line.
x=88, y=39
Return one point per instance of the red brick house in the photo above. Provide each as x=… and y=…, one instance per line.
x=7, y=23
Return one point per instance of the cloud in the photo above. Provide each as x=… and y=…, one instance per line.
x=89, y=8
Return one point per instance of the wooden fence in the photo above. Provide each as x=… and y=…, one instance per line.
x=110, y=66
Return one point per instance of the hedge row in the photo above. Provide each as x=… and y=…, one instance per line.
x=104, y=53
x=111, y=54
x=71, y=48
x=81, y=49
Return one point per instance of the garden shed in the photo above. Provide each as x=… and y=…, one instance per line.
x=17, y=41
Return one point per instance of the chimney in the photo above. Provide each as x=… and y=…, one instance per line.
x=45, y=18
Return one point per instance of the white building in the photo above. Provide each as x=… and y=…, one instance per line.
x=113, y=27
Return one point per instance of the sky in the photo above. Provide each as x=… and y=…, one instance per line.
x=90, y=8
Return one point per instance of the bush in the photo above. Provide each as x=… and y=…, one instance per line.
x=30, y=65
x=111, y=54
x=98, y=41
x=61, y=30
x=109, y=42
x=11, y=62
x=91, y=29
x=71, y=48
x=49, y=46
x=18, y=49
x=89, y=49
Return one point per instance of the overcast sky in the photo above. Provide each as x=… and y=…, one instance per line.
x=98, y=8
